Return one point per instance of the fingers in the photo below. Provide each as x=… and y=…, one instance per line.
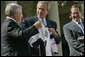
x=53, y=31
x=38, y=24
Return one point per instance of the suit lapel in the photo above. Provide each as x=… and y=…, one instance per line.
x=83, y=21
x=48, y=23
x=76, y=27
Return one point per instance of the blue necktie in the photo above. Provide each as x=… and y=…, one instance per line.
x=44, y=22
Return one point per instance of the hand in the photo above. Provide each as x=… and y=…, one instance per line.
x=81, y=39
x=38, y=24
x=53, y=31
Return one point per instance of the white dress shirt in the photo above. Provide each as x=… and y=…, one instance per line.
x=10, y=18
x=80, y=25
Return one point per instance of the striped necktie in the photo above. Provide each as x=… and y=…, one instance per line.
x=81, y=25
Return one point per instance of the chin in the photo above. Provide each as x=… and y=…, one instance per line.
x=77, y=19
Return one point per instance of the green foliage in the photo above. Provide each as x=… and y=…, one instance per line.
x=29, y=8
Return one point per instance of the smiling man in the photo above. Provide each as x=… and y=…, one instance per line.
x=73, y=30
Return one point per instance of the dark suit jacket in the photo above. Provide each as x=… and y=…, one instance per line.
x=71, y=33
x=14, y=41
x=50, y=24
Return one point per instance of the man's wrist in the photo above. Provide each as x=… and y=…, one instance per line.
x=54, y=34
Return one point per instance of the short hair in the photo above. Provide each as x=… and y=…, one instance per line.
x=77, y=6
x=43, y=2
x=11, y=8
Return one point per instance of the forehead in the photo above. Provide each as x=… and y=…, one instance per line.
x=41, y=5
x=75, y=9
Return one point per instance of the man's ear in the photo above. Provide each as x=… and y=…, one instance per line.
x=47, y=11
x=14, y=13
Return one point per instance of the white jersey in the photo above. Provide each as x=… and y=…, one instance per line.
x=44, y=34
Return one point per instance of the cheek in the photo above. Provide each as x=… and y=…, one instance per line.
x=72, y=15
x=19, y=17
x=80, y=14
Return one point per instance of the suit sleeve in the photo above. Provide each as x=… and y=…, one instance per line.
x=24, y=24
x=71, y=40
x=15, y=31
x=56, y=37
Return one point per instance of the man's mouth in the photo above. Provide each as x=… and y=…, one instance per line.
x=76, y=17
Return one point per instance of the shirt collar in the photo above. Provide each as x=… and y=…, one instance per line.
x=77, y=22
x=43, y=19
x=10, y=18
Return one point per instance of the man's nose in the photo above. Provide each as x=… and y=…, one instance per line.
x=76, y=15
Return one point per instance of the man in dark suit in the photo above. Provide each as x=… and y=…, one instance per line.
x=73, y=30
x=14, y=41
x=42, y=11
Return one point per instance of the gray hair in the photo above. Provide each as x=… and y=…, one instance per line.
x=11, y=8
x=43, y=2
x=77, y=6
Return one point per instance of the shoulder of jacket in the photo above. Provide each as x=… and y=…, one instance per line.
x=67, y=24
x=51, y=20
